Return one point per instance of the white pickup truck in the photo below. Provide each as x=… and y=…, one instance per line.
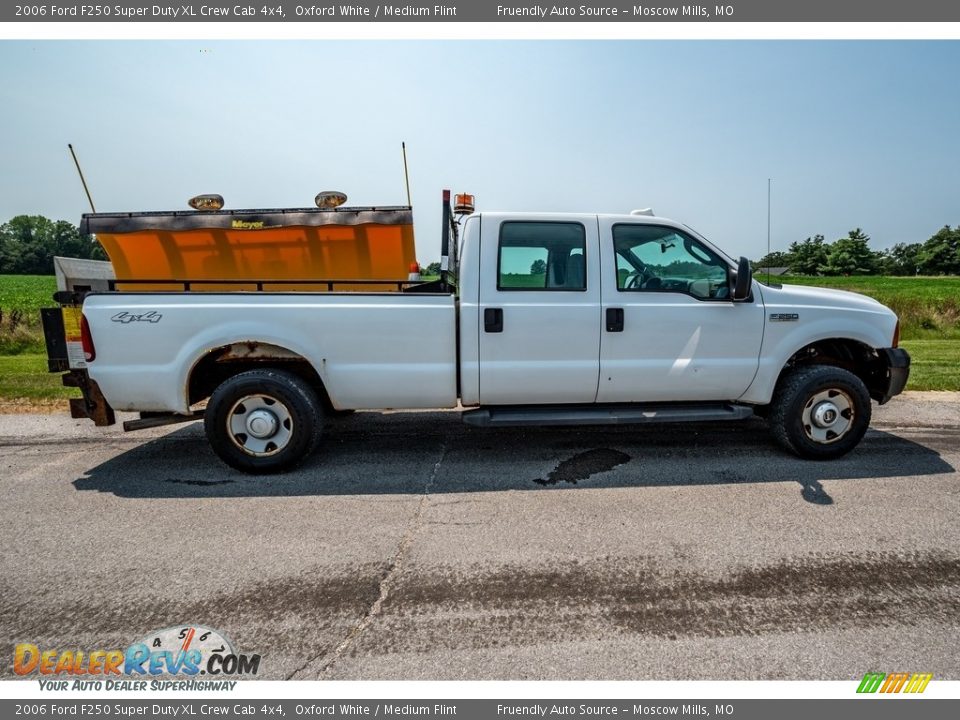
x=539, y=318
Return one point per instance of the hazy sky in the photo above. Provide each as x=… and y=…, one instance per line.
x=857, y=133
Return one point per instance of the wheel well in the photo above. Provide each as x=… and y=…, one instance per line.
x=224, y=362
x=860, y=359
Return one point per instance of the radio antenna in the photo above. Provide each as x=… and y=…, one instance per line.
x=80, y=173
x=406, y=173
x=769, y=181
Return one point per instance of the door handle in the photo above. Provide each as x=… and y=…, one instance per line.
x=614, y=319
x=493, y=320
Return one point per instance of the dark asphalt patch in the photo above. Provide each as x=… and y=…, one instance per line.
x=619, y=597
x=582, y=465
x=198, y=483
x=298, y=616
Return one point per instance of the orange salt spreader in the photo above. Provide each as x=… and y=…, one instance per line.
x=320, y=249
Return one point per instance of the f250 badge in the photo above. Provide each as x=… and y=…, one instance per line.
x=124, y=317
x=784, y=317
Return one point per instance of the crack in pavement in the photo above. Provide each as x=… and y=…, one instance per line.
x=386, y=581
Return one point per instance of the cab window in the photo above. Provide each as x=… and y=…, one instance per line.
x=542, y=256
x=651, y=258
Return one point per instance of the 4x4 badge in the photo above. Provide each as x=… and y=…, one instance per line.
x=124, y=317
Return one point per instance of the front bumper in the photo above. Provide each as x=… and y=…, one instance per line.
x=894, y=371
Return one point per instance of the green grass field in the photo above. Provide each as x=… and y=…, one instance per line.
x=929, y=309
x=21, y=297
x=26, y=292
x=24, y=380
x=935, y=364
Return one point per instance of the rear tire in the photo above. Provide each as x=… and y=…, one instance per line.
x=263, y=421
x=820, y=412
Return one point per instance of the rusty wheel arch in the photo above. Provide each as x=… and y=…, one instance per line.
x=220, y=363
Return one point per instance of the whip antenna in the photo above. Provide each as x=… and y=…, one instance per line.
x=768, y=230
x=406, y=173
x=80, y=173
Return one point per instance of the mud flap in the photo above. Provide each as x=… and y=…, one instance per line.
x=93, y=404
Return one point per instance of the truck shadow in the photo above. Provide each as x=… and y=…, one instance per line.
x=404, y=453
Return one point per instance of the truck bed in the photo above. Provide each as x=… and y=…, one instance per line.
x=371, y=350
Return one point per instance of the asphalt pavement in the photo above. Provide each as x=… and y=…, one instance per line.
x=412, y=546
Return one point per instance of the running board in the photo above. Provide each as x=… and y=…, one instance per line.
x=510, y=416
x=149, y=420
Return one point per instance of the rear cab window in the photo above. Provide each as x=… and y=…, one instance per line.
x=542, y=256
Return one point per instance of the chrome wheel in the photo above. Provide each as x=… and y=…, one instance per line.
x=260, y=425
x=828, y=415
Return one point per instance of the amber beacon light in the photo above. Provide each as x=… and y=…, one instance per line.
x=463, y=204
x=330, y=199
x=206, y=202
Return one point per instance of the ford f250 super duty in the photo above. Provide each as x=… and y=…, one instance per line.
x=538, y=318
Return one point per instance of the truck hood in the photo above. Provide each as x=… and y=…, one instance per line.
x=805, y=295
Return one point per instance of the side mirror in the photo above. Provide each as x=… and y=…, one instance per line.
x=743, y=281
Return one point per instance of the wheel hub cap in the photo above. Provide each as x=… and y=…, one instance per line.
x=828, y=415
x=262, y=423
x=825, y=414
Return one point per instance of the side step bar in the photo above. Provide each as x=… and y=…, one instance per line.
x=510, y=416
x=149, y=420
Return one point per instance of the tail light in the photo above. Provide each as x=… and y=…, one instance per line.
x=896, y=335
x=86, y=340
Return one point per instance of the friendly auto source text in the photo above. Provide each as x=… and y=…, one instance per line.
x=544, y=11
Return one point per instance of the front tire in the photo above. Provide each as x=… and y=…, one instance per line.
x=820, y=412
x=263, y=421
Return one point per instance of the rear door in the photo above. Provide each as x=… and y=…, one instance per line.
x=678, y=335
x=539, y=321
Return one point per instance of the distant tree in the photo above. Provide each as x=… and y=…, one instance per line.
x=432, y=269
x=941, y=253
x=884, y=264
x=775, y=259
x=28, y=244
x=807, y=257
x=538, y=267
x=850, y=256
x=901, y=259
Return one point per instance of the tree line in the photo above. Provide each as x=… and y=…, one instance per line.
x=29, y=242
x=851, y=255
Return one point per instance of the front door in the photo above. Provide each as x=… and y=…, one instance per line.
x=680, y=336
x=539, y=312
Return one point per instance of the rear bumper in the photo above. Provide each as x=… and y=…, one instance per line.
x=895, y=371
x=93, y=404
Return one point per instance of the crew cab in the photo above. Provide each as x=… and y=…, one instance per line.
x=538, y=318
